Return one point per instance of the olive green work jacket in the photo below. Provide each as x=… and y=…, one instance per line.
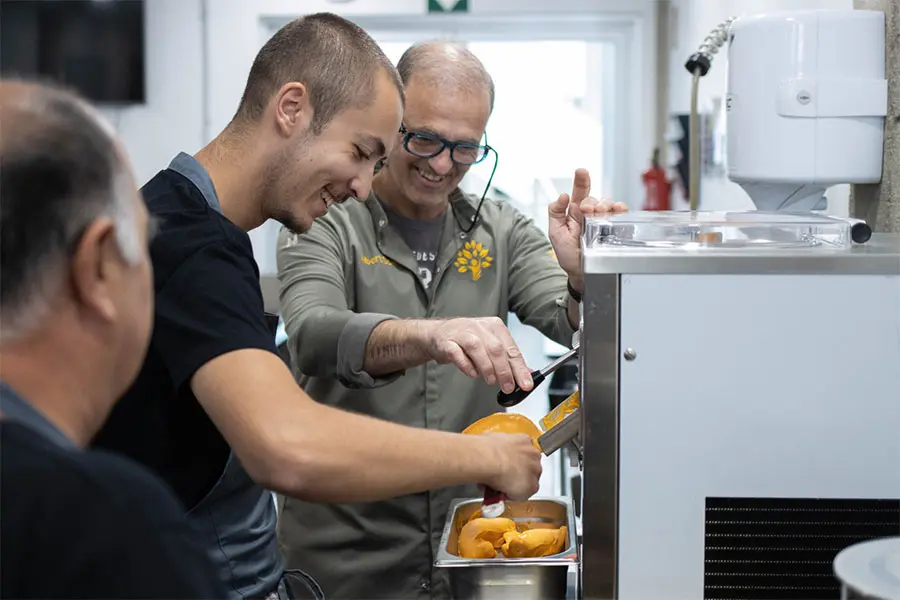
x=347, y=274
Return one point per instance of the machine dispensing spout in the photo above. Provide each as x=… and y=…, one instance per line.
x=562, y=425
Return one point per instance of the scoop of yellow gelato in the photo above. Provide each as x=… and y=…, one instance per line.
x=533, y=543
x=480, y=538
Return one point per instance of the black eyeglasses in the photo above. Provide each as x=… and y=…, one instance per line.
x=429, y=145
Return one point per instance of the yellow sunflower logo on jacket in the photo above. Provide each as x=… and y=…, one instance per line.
x=474, y=259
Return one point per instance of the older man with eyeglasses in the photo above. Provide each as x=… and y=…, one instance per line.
x=396, y=307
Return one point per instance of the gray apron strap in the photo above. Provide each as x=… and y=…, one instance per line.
x=298, y=585
x=237, y=518
x=188, y=167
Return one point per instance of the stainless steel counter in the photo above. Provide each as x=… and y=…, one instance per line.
x=878, y=256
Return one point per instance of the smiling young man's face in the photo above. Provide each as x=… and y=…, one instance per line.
x=457, y=116
x=338, y=163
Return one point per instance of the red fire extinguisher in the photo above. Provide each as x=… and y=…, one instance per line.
x=657, y=187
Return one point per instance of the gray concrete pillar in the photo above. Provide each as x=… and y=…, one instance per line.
x=879, y=204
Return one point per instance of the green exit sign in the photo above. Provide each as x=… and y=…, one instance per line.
x=448, y=6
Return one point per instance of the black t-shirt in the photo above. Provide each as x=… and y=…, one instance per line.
x=423, y=236
x=88, y=524
x=208, y=303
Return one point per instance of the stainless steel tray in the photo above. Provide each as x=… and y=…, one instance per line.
x=553, y=511
x=544, y=578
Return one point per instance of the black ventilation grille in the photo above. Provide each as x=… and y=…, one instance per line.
x=783, y=548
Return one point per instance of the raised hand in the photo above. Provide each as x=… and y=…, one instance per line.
x=566, y=223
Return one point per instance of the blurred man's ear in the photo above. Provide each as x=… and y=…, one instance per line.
x=94, y=267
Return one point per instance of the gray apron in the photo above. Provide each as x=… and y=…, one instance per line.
x=237, y=518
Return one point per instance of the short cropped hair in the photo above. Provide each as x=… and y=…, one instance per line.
x=446, y=64
x=60, y=170
x=334, y=58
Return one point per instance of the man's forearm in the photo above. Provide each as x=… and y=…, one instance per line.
x=295, y=446
x=396, y=345
x=346, y=457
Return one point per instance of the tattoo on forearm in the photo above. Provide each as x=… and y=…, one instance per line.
x=389, y=350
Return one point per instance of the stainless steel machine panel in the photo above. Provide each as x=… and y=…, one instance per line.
x=599, y=370
x=769, y=377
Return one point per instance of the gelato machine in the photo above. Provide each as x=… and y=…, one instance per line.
x=740, y=403
x=740, y=371
x=738, y=411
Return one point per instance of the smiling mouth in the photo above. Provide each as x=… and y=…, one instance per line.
x=327, y=198
x=430, y=177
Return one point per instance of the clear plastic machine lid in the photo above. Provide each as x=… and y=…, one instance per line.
x=718, y=230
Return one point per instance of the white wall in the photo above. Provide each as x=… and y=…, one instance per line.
x=236, y=33
x=694, y=20
x=200, y=51
x=171, y=120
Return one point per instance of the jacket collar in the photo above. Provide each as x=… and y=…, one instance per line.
x=461, y=204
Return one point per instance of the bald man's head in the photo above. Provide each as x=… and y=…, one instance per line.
x=447, y=66
x=60, y=169
x=449, y=99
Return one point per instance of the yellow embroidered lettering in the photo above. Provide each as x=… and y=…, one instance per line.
x=376, y=259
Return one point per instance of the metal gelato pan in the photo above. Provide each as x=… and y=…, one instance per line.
x=543, y=578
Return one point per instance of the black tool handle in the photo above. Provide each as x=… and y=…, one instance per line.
x=518, y=394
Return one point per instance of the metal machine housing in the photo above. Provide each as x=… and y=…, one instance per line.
x=763, y=382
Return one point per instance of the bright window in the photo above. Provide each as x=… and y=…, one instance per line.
x=547, y=119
